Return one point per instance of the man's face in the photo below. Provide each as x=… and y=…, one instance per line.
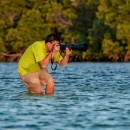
x=52, y=44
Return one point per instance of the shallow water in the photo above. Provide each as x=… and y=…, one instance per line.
x=88, y=96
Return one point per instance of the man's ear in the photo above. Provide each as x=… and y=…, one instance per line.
x=48, y=43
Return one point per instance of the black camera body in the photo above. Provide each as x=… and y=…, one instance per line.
x=83, y=46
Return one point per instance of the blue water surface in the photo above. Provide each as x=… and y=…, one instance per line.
x=88, y=96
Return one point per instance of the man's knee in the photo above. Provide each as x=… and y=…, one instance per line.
x=35, y=89
x=45, y=77
x=50, y=87
x=39, y=90
x=51, y=82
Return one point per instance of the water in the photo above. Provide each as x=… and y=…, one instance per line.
x=88, y=96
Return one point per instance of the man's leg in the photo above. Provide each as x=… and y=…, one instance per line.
x=50, y=87
x=47, y=80
x=32, y=83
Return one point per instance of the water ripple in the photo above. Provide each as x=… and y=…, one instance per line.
x=92, y=96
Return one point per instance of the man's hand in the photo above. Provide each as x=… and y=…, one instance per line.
x=64, y=61
x=50, y=55
x=68, y=51
x=56, y=47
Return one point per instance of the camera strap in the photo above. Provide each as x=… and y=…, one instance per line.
x=52, y=65
x=52, y=62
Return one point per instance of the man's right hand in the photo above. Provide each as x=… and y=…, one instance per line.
x=56, y=48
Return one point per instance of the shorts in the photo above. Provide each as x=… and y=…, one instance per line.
x=34, y=81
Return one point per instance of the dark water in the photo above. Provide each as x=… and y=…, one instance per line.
x=88, y=96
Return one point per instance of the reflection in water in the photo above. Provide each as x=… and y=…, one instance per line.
x=93, y=96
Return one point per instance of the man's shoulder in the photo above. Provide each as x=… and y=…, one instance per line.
x=37, y=43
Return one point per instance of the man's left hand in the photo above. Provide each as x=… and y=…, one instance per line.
x=68, y=51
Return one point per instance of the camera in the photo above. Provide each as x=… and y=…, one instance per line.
x=83, y=46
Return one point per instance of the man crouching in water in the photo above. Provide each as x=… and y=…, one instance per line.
x=32, y=65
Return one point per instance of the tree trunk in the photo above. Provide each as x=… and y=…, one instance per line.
x=127, y=56
x=5, y=57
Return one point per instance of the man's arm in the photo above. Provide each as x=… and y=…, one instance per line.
x=64, y=61
x=47, y=59
x=45, y=62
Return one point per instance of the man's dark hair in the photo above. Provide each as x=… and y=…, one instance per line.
x=52, y=37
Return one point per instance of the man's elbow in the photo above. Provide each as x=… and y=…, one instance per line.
x=62, y=65
x=42, y=64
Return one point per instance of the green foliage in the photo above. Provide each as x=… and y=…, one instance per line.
x=105, y=24
x=96, y=34
x=27, y=21
x=116, y=15
x=2, y=46
x=114, y=47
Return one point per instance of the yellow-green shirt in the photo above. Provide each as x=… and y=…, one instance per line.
x=29, y=62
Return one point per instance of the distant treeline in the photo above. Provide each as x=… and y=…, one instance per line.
x=104, y=24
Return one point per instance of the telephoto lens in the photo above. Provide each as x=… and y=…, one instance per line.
x=83, y=46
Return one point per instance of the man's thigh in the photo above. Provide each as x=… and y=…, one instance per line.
x=45, y=77
x=32, y=82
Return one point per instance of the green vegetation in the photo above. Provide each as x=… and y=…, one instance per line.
x=105, y=24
